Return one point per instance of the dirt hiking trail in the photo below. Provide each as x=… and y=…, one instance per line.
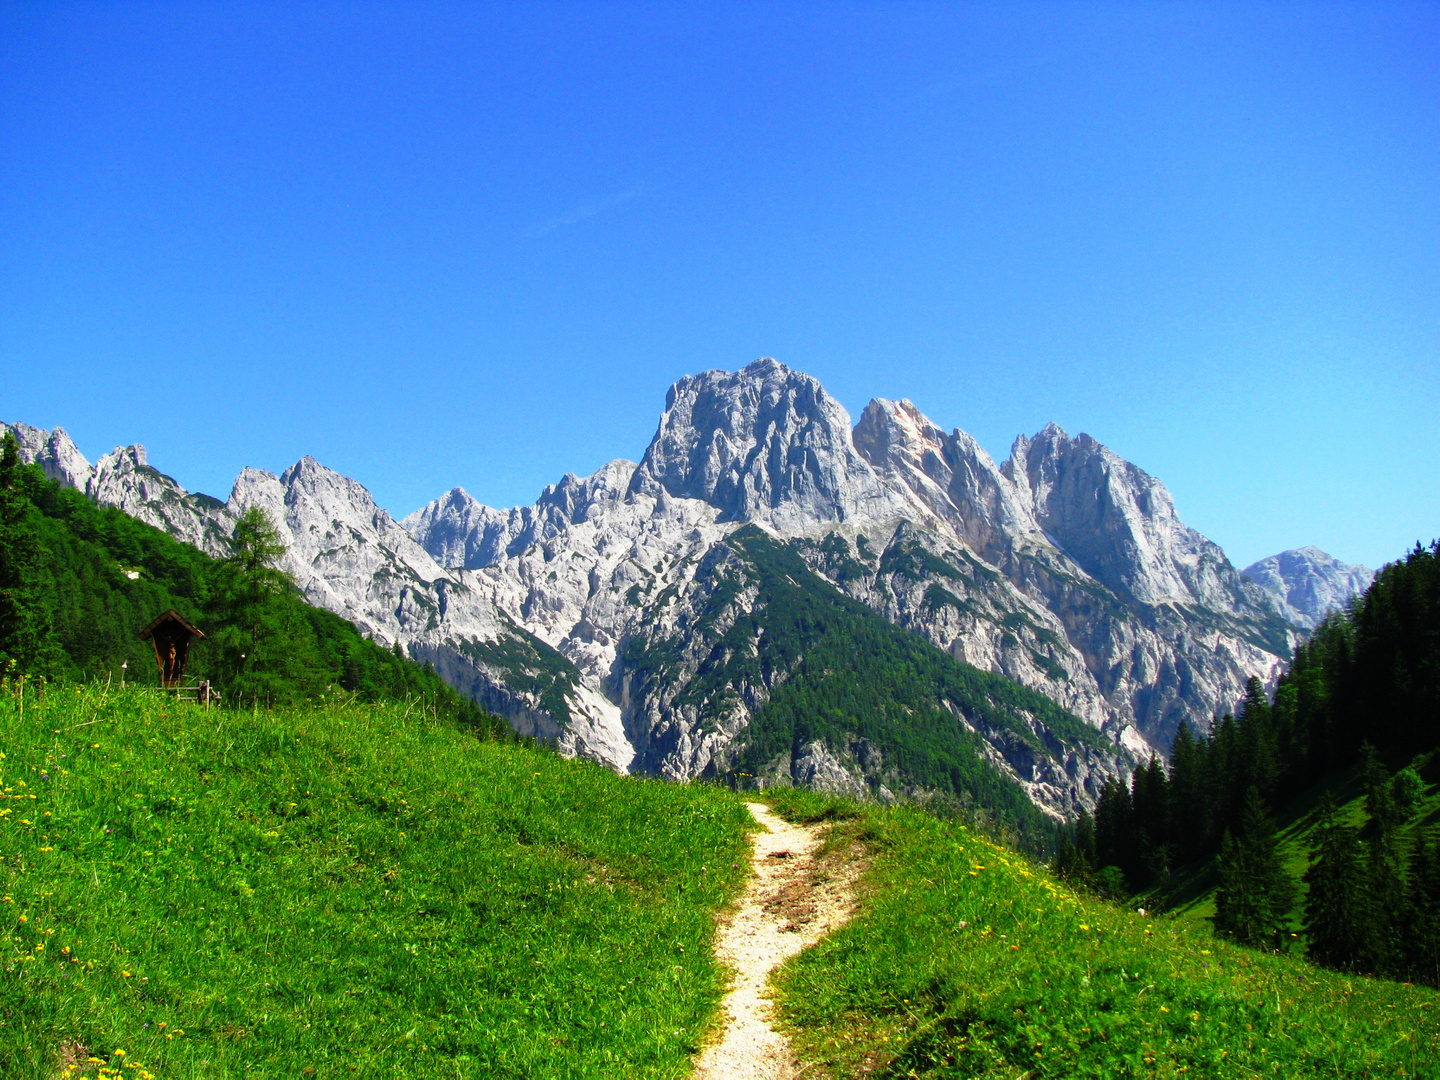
x=792, y=900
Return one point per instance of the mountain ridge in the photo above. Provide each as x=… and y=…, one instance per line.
x=1064, y=569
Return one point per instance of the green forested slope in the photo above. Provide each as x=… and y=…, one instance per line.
x=838, y=672
x=1345, y=752
x=855, y=675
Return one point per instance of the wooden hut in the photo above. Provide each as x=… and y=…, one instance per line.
x=170, y=635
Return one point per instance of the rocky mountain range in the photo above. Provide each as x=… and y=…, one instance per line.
x=693, y=614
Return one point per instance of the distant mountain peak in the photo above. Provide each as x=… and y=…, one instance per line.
x=762, y=444
x=1309, y=583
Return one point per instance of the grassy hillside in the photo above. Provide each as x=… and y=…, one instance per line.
x=343, y=891
x=967, y=961
x=357, y=891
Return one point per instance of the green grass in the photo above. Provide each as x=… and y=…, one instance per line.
x=968, y=961
x=345, y=891
x=366, y=891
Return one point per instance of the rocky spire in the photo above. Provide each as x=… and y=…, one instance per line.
x=763, y=444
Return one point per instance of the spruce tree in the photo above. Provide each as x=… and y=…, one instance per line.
x=1237, y=905
x=1075, y=852
x=1422, y=954
x=1337, y=926
x=1259, y=762
x=1150, y=803
x=1226, y=769
x=1189, y=817
x=1085, y=837
x=1115, y=833
x=263, y=654
x=1255, y=895
x=1386, y=887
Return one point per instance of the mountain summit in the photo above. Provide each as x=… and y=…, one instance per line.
x=1064, y=569
x=763, y=444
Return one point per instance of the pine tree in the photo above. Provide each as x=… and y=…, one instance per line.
x=1422, y=954
x=263, y=654
x=1085, y=836
x=1386, y=886
x=1291, y=738
x=1390, y=688
x=1150, y=803
x=1225, y=762
x=1259, y=758
x=1255, y=895
x=1115, y=833
x=1075, y=853
x=26, y=643
x=1336, y=910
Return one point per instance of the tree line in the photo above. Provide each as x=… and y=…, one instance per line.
x=1363, y=688
x=78, y=581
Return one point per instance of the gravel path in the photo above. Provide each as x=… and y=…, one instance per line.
x=792, y=901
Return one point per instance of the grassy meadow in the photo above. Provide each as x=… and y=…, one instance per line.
x=968, y=961
x=343, y=891
x=367, y=891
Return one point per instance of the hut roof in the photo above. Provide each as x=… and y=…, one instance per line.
x=170, y=616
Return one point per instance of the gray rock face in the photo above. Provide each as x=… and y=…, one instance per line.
x=1308, y=583
x=951, y=476
x=459, y=530
x=1067, y=570
x=1119, y=525
x=53, y=452
x=124, y=479
x=764, y=444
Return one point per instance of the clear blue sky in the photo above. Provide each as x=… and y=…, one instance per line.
x=473, y=244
